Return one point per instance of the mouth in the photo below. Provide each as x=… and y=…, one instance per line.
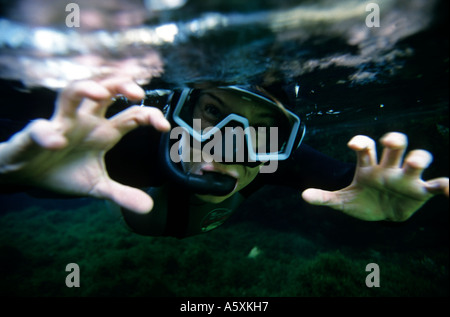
x=214, y=169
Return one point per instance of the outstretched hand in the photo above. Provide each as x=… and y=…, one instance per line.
x=66, y=153
x=388, y=190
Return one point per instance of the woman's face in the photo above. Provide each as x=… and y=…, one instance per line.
x=211, y=107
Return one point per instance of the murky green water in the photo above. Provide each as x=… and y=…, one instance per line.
x=350, y=79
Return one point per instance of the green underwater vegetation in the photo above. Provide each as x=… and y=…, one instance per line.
x=278, y=247
x=37, y=244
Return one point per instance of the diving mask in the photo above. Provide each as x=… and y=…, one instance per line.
x=236, y=125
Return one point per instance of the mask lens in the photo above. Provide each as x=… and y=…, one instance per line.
x=265, y=127
x=206, y=107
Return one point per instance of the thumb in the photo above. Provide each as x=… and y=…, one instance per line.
x=127, y=197
x=438, y=186
x=320, y=197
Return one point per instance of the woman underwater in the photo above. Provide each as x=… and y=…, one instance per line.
x=70, y=154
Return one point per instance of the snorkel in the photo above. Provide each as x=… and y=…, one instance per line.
x=207, y=184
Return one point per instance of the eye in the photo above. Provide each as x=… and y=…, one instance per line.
x=211, y=113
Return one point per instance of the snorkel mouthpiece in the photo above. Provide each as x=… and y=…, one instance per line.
x=210, y=183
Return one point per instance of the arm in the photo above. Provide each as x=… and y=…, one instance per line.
x=384, y=190
x=65, y=154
